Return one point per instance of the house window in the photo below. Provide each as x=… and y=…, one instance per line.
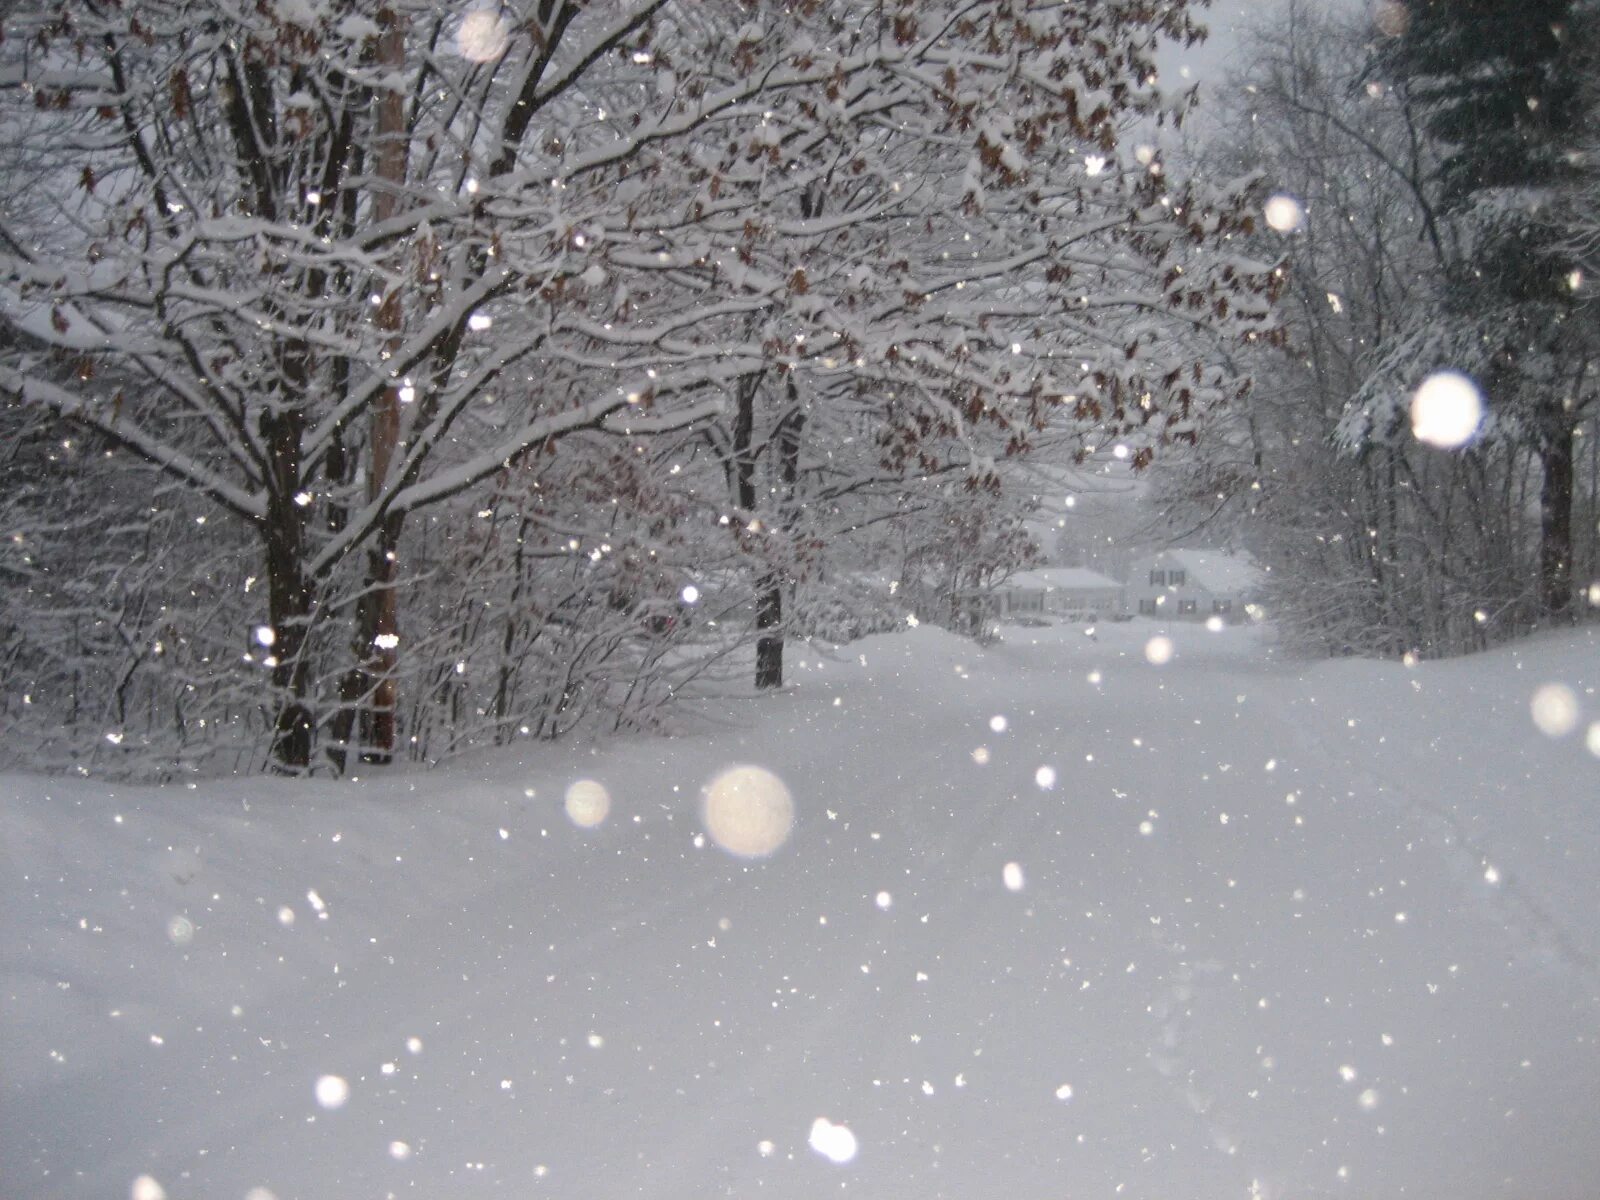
x=1185, y=606
x=1147, y=608
x=1221, y=606
x=1177, y=578
x=1157, y=578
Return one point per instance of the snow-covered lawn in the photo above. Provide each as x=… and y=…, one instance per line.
x=1054, y=921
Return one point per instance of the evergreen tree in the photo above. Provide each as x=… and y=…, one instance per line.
x=1501, y=82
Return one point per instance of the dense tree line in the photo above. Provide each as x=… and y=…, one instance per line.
x=1441, y=158
x=384, y=379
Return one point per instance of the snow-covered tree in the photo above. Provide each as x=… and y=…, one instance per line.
x=334, y=264
x=1379, y=541
x=1500, y=87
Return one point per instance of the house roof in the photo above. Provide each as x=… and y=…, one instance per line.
x=1218, y=571
x=1054, y=579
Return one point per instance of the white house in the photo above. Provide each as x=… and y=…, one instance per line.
x=1064, y=593
x=1194, y=585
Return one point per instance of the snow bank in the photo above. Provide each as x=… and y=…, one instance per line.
x=1050, y=919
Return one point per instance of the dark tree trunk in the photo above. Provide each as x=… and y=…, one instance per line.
x=288, y=594
x=1555, y=522
x=380, y=608
x=769, y=604
x=769, y=647
x=379, y=627
x=769, y=588
x=769, y=612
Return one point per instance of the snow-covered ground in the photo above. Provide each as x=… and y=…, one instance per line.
x=1053, y=921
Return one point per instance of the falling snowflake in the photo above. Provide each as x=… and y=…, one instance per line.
x=834, y=1142
x=483, y=35
x=1555, y=710
x=748, y=811
x=1284, y=213
x=587, y=803
x=332, y=1091
x=1446, y=410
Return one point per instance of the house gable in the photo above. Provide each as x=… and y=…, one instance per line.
x=1193, y=585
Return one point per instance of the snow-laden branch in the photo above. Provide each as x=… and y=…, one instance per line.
x=104, y=417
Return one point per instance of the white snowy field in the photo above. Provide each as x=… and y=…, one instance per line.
x=1302, y=930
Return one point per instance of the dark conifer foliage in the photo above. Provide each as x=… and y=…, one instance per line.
x=1501, y=84
x=1502, y=81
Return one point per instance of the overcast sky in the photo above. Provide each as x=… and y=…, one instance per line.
x=1210, y=60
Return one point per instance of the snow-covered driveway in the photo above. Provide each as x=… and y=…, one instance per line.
x=1054, y=921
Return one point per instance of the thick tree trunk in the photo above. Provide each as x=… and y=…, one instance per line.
x=769, y=588
x=380, y=626
x=288, y=595
x=1555, y=523
x=769, y=610
x=769, y=647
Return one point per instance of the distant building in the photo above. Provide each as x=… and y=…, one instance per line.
x=1194, y=585
x=1060, y=593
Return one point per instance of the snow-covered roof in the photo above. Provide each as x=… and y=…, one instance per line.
x=1218, y=571
x=1057, y=579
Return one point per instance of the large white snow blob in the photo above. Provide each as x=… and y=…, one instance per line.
x=1555, y=709
x=834, y=1142
x=1446, y=410
x=482, y=35
x=1013, y=877
x=588, y=803
x=748, y=811
x=1284, y=213
x=1158, y=650
x=332, y=1091
x=146, y=1188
